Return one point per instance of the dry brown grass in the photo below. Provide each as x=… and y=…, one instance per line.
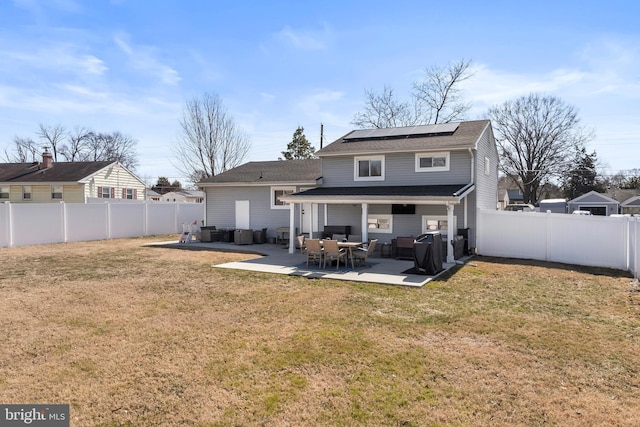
x=132, y=335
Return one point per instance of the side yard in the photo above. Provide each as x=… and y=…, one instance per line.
x=135, y=335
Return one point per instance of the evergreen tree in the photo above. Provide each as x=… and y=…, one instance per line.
x=299, y=147
x=583, y=177
x=162, y=186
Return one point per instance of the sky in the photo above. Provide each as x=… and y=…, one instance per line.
x=130, y=65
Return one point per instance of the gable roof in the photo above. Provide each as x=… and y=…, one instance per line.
x=593, y=197
x=57, y=172
x=632, y=202
x=278, y=171
x=413, y=139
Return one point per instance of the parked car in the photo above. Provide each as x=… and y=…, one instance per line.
x=581, y=213
x=524, y=207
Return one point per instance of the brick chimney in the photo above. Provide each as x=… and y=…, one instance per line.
x=47, y=159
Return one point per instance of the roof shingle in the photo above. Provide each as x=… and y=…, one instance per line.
x=286, y=171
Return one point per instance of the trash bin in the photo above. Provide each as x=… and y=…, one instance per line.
x=427, y=254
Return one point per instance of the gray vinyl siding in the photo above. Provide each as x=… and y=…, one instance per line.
x=221, y=203
x=485, y=195
x=403, y=225
x=399, y=170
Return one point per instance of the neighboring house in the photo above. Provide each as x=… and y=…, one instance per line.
x=594, y=202
x=631, y=206
x=503, y=198
x=515, y=196
x=71, y=182
x=183, y=196
x=152, y=196
x=383, y=183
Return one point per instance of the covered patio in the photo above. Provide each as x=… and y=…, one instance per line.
x=278, y=260
x=447, y=196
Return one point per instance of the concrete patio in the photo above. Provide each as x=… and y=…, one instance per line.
x=277, y=259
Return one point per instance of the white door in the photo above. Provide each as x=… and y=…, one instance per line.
x=243, y=217
x=309, y=215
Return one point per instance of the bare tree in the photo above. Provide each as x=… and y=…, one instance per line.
x=435, y=99
x=383, y=110
x=537, y=137
x=76, y=144
x=440, y=93
x=112, y=146
x=53, y=137
x=24, y=150
x=210, y=142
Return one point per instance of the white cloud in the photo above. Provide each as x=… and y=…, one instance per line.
x=325, y=105
x=53, y=57
x=303, y=39
x=143, y=58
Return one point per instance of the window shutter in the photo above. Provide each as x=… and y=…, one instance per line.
x=113, y=192
x=135, y=194
x=99, y=191
x=124, y=193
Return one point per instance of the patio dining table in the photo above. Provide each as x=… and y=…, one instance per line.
x=349, y=246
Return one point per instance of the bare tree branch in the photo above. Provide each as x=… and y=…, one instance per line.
x=24, y=150
x=435, y=99
x=210, y=141
x=440, y=92
x=53, y=137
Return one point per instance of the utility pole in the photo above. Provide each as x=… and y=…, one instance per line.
x=321, y=134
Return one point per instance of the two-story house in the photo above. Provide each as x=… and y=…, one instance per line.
x=70, y=182
x=382, y=183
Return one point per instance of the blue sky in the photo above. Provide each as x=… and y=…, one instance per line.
x=129, y=65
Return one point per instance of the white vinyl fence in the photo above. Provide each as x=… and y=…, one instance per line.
x=612, y=242
x=36, y=223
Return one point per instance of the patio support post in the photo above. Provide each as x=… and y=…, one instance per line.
x=365, y=222
x=292, y=228
x=450, y=233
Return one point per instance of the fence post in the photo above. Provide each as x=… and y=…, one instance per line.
x=63, y=208
x=108, y=208
x=548, y=236
x=9, y=223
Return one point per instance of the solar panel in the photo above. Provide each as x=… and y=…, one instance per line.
x=402, y=131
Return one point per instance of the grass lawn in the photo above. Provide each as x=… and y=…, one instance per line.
x=137, y=336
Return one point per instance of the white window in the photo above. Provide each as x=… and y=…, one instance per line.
x=487, y=165
x=380, y=223
x=106, y=192
x=432, y=162
x=276, y=193
x=4, y=193
x=26, y=192
x=129, y=193
x=437, y=223
x=56, y=192
x=369, y=168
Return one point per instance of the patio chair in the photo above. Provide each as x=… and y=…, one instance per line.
x=354, y=238
x=362, y=254
x=314, y=250
x=333, y=252
x=301, y=243
x=339, y=237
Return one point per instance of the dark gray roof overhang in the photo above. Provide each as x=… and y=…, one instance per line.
x=411, y=194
